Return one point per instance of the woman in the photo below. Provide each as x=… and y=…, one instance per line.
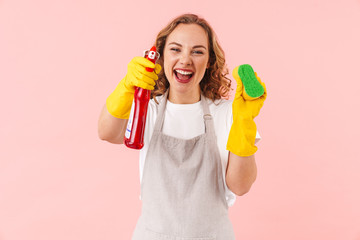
x=198, y=148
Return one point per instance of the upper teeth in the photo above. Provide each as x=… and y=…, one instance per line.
x=183, y=72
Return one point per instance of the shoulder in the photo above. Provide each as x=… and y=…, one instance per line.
x=158, y=99
x=153, y=105
x=221, y=111
x=219, y=103
x=220, y=106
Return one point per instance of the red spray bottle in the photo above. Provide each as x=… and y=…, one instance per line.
x=134, y=135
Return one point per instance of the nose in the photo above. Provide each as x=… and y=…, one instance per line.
x=185, y=59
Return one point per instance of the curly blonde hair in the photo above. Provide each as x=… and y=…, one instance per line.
x=215, y=84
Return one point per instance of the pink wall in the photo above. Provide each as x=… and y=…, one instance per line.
x=59, y=60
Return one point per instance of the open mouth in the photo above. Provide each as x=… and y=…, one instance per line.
x=183, y=76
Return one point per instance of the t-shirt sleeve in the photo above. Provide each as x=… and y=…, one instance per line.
x=258, y=137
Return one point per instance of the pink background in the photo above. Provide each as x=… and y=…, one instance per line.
x=59, y=60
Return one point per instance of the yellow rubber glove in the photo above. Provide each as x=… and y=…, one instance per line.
x=242, y=134
x=120, y=100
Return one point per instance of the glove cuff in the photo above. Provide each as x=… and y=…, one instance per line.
x=120, y=101
x=241, y=139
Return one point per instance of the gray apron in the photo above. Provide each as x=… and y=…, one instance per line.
x=182, y=189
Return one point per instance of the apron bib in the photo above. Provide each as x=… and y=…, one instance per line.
x=182, y=189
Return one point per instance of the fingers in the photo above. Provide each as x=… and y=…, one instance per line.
x=258, y=78
x=140, y=76
x=157, y=68
x=262, y=84
x=265, y=92
x=140, y=70
x=143, y=62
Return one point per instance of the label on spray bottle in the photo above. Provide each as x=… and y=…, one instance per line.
x=129, y=125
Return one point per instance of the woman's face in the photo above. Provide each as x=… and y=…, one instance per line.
x=186, y=57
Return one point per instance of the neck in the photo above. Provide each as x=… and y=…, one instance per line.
x=184, y=98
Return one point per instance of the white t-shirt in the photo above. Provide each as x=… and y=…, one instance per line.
x=186, y=121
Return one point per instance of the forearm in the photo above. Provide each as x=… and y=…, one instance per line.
x=110, y=128
x=240, y=173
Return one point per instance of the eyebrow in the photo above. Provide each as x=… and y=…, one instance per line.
x=196, y=46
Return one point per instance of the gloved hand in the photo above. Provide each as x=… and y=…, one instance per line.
x=120, y=100
x=242, y=134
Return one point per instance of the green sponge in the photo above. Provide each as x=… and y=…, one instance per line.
x=253, y=88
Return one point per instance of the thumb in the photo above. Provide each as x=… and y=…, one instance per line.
x=157, y=68
x=265, y=92
x=239, y=86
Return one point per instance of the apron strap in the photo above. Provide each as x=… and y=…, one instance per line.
x=208, y=119
x=161, y=113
